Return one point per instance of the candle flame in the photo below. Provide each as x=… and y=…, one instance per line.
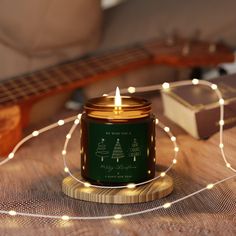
x=118, y=102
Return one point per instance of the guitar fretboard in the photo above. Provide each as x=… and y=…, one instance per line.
x=88, y=69
x=73, y=74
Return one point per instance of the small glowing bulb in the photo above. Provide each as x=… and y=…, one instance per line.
x=162, y=174
x=131, y=89
x=11, y=155
x=79, y=116
x=157, y=121
x=86, y=184
x=61, y=122
x=221, y=122
x=63, y=152
x=68, y=136
x=214, y=86
x=167, y=129
x=117, y=216
x=167, y=205
x=173, y=138
x=210, y=186
x=176, y=149
x=221, y=145
x=65, y=217
x=195, y=81
x=221, y=101
x=76, y=122
x=174, y=161
x=228, y=165
x=12, y=213
x=105, y=95
x=131, y=186
x=66, y=169
x=165, y=85
x=35, y=133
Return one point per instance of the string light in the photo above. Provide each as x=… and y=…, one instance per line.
x=11, y=155
x=63, y=152
x=61, y=122
x=117, y=216
x=195, y=81
x=174, y=161
x=214, y=86
x=167, y=205
x=210, y=186
x=65, y=217
x=76, y=121
x=87, y=185
x=176, y=149
x=173, y=138
x=165, y=85
x=35, y=133
x=162, y=174
x=12, y=213
x=221, y=122
x=131, y=89
x=228, y=165
x=131, y=185
x=221, y=145
x=167, y=129
x=221, y=101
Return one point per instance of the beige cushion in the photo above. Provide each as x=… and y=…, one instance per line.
x=37, y=33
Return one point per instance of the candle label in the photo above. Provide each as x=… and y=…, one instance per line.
x=119, y=152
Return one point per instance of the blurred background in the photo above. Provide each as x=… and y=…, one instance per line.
x=36, y=34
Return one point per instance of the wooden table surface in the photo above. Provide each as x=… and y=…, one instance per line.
x=32, y=183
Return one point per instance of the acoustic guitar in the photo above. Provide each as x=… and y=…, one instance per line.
x=18, y=94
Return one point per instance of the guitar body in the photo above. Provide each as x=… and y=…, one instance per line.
x=17, y=95
x=10, y=129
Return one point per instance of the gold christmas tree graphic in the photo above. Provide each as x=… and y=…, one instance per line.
x=135, y=150
x=117, y=151
x=101, y=150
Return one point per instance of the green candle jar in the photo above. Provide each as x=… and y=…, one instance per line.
x=117, y=143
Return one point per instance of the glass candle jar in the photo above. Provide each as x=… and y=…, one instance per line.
x=117, y=143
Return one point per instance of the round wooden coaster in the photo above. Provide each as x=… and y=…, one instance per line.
x=155, y=190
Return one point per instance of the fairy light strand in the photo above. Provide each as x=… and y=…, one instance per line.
x=76, y=120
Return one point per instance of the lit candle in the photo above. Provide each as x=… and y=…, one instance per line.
x=117, y=140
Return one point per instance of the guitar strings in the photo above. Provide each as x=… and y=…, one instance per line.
x=34, y=84
x=23, y=88
x=76, y=120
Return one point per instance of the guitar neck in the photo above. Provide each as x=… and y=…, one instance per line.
x=71, y=75
x=86, y=70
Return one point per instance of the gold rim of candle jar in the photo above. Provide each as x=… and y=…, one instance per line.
x=131, y=108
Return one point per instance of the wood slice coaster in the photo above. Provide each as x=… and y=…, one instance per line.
x=154, y=190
